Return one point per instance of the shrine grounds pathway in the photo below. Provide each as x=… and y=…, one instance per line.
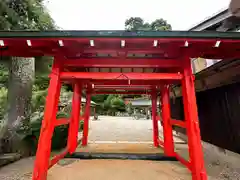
x=125, y=131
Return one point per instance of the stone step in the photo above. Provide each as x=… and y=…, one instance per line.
x=120, y=148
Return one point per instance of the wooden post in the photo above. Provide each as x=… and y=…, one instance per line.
x=74, y=121
x=51, y=107
x=166, y=117
x=191, y=117
x=86, y=118
x=154, y=118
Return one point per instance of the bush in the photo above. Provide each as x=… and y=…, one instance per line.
x=3, y=101
x=81, y=125
x=118, y=104
x=38, y=100
x=60, y=135
x=42, y=82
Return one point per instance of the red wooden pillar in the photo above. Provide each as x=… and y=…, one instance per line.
x=160, y=111
x=74, y=121
x=51, y=107
x=86, y=118
x=191, y=117
x=166, y=117
x=154, y=118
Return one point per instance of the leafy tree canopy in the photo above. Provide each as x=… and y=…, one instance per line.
x=138, y=24
x=24, y=14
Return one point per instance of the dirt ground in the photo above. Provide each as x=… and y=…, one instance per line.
x=119, y=170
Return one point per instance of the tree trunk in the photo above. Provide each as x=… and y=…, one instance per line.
x=21, y=76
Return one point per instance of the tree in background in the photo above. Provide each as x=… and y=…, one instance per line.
x=113, y=104
x=138, y=24
x=20, y=15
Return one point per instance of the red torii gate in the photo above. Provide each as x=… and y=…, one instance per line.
x=137, y=62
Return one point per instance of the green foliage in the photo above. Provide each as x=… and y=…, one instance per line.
x=160, y=25
x=43, y=65
x=41, y=82
x=4, y=77
x=107, y=103
x=3, y=101
x=99, y=98
x=114, y=103
x=24, y=14
x=81, y=125
x=117, y=104
x=38, y=100
x=132, y=96
x=138, y=24
x=135, y=23
x=62, y=114
x=60, y=134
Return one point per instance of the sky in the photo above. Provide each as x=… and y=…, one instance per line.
x=111, y=15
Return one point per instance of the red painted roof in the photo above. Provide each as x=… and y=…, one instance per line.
x=76, y=44
x=121, y=52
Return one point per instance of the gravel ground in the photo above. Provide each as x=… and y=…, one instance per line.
x=219, y=165
x=122, y=129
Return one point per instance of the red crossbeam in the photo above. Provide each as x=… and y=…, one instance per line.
x=56, y=158
x=123, y=87
x=126, y=76
x=61, y=121
x=127, y=86
x=123, y=63
x=123, y=82
x=120, y=92
x=183, y=161
x=178, y=123
x=161, y=143
x=146, y=50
